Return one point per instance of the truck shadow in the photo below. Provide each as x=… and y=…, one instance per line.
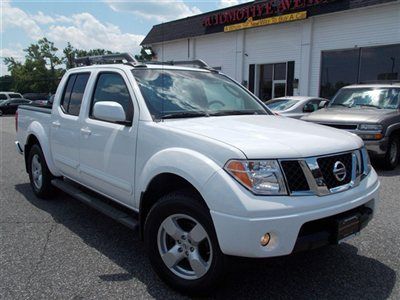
x=386, y=173
x=332, y=272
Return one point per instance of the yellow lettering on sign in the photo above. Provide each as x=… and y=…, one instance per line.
x=267, y=21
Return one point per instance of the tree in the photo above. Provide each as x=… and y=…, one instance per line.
x=146, y=54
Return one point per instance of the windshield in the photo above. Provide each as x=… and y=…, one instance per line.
x=180, y=93
x=15, y=95
x=380, y=98
x=280, y=104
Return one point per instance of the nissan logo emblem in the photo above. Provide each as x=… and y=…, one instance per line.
x=339, y=171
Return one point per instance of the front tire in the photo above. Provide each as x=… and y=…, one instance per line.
x=39, y=174
x=182, y=244
x=392, y=156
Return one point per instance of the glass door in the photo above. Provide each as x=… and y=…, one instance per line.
x=279, y=89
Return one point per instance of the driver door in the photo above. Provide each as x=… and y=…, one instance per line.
x=107, y=149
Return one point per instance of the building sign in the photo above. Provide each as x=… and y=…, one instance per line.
x=267, y=21
x=260, y=10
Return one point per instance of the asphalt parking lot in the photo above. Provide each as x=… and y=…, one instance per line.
x=62, y=249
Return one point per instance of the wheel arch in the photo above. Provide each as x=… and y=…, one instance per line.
x=163, y=184
x=36, y=134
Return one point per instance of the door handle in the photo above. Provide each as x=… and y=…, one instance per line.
x=56, y=124
x=86, y=131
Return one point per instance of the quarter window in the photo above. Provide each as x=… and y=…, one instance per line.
x=73, y=93
x=112, y=87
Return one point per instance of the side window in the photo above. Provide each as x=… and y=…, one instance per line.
x=77, y=94
x=73, y=93
x=67, y=93
x=112, y=87
x=3, y=97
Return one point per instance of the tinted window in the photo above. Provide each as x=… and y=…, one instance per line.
x=73, y=93
x=380, y=63
x=77, y=94
x=3, y=97
x=280, y=71
x=67, y=92
x=338, y=69
x=14, y=95
x=112, y=87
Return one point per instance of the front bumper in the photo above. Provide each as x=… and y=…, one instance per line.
x=377, y=148
x=281, y=217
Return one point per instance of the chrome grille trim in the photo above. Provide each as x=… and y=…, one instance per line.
x=315, y=178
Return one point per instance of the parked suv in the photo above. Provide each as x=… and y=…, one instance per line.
x=370, y=111
x=196, y=164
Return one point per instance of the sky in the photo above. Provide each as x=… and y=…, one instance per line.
x=88, y=24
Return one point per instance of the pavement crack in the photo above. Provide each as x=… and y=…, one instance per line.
x=42, y=254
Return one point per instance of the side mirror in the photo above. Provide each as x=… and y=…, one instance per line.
x=110, y=111
x=308, y=108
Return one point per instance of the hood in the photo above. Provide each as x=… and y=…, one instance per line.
x=349, y=115
x=263, y=137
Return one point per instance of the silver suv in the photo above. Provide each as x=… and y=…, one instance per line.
x=370, y=111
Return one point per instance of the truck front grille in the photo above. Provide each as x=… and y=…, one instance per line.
x=324, y=175
x=341, y=126
x=295, y=177
x=326, y=165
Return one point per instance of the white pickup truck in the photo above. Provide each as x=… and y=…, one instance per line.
x=196, y=164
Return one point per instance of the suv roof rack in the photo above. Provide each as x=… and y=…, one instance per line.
x=199, y=63
x=124, y=58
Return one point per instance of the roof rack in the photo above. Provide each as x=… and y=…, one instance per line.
x=199, y=63
x=124, y=58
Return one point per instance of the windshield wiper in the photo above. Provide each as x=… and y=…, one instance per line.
x=184, y=114
x=369, y=105
x=237, y=112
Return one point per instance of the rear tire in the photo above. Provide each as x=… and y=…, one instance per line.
x=392, y=156
x=186, y=255
x=39, y=174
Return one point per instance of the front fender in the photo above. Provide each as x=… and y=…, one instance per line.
x=188, y=164
x=37, y=129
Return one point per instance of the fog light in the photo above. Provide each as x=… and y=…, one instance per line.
x=265, y=239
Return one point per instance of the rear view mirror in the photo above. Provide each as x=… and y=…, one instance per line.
x=110, y=111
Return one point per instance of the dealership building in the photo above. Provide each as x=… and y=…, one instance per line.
x=290, y=47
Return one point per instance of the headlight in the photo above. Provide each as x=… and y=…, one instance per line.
x=262, y=177
x=370, y=127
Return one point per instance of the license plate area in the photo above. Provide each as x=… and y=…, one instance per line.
x=347, y=227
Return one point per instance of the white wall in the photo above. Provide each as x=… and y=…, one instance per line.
x=371, y=26
x=300, y=41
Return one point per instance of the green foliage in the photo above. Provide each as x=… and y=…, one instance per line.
x=144, y=56
x=43, y=67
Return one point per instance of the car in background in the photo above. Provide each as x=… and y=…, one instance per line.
x=9, y=95
x=11, y=106
x=372, y=111
x=296, y=106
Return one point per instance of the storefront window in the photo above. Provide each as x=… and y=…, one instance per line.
x=380, y=63
x=280, y=71
x=361, y=65
x=338, y=69
x=265, y=86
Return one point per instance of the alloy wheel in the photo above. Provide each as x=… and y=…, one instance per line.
x=184, y=246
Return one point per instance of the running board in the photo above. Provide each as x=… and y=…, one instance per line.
x=118, y=214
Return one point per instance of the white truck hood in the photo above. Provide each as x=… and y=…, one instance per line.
x=263, y=137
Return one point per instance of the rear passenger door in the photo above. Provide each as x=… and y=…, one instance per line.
x=108, y=149
x=65, y=126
